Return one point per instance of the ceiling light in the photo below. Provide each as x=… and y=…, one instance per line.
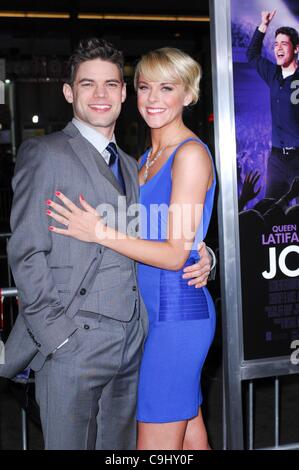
x=134, y=17
x=34, y=14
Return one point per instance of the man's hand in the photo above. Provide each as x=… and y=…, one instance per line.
x=198, y=273
x=267, y=17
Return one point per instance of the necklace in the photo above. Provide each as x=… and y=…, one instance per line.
x=149, y=163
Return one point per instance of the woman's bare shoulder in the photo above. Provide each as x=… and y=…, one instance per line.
x=193, y=150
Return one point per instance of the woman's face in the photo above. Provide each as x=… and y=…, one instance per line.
x=161, y=103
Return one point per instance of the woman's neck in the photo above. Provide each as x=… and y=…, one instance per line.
x=168, y=135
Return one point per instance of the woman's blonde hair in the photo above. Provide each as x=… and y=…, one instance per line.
x=170, y=65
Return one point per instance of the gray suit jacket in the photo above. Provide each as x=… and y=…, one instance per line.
x=57, y=275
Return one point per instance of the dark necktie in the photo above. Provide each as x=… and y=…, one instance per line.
x=114, y=164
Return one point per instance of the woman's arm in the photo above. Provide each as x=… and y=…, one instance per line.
x=191, y=176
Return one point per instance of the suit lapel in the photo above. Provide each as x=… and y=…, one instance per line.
x=96, y=165
x=85, y=156
x=106, y=172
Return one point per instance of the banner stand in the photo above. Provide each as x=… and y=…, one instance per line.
x=235, y=368
x=225, y=150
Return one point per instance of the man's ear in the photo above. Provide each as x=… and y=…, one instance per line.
x=68, y=93
x=124, y=92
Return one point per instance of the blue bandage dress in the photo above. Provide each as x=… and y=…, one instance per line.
x=181, y=318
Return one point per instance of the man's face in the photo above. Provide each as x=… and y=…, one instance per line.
x=284, y=50
x=97, y=95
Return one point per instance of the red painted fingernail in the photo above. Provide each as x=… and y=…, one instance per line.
x=48, y=201
x=51, y=228
x=48, y=212
x=57, y=193
x=82, y=197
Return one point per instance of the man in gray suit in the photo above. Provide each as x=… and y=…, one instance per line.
x=82, y=322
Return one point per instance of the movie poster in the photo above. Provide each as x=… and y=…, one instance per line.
x=266, y=93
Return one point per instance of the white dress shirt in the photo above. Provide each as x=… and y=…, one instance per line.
x=96, y=138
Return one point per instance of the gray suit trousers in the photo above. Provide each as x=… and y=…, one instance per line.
x=87, y=389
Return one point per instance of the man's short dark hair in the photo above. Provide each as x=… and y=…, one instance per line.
x=291, y=32
x=90, y=49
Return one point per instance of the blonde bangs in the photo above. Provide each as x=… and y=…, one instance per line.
x=170, y=65
x=156, y=68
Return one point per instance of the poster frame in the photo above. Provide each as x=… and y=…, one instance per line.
x=235, y=368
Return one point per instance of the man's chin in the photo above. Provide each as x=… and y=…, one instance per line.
x=101, y=123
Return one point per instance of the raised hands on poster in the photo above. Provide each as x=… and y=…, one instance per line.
x=267, y=17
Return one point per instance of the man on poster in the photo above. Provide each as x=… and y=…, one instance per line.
x=282, y=78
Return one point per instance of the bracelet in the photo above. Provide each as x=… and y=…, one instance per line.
x=213, y=256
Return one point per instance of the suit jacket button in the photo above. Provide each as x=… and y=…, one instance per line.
x=86, y=327
x=38, y=345
x=82, y=291
x=134, y=288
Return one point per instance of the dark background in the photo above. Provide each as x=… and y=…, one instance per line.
x=36, y=50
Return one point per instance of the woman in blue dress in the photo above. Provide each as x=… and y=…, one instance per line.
x=177, y=184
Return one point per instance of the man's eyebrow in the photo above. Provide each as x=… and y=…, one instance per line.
x=110, y=80
x=114, y=80
x=86, y=80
